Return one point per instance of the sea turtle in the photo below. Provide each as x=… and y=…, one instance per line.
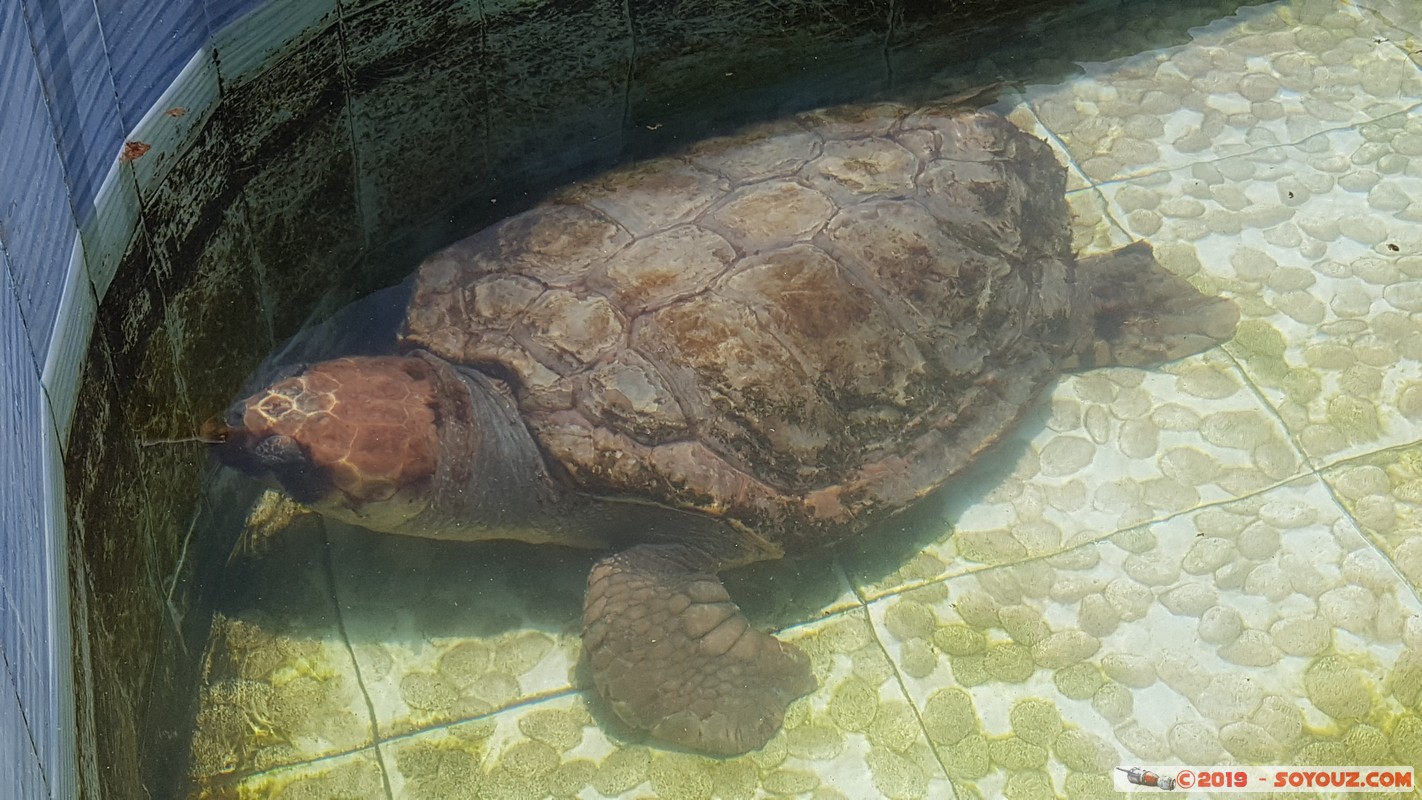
x=763, y=343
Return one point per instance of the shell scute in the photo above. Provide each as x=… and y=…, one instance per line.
x=664, y=266
x=751, y=396
x=845, y=342
x=769, y=150
x=575, y=329
x=652, y=195
x=629, y=391
x=848, y=171
x=770, y=214
x=554, y=244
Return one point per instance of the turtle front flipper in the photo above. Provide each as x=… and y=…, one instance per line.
x=674, y=656
x=1143, y=314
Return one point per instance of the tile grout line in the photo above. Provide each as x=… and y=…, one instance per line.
x=908, y=697
x=1311, y=472
x=1102, y=539
x=1414, y=591
x=376, y=744
x=375, y=738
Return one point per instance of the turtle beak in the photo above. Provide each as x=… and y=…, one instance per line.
x=228, y=438
x=237, y=446
x=214, y=431
x=231, y=446
x=267, y=456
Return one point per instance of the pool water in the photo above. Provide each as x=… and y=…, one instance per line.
x=1211, y=562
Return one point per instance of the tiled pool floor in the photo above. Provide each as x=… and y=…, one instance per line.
x=1212, y=562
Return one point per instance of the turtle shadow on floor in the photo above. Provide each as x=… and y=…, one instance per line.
x=391, y=588
x=442, y=632
x=890, y=555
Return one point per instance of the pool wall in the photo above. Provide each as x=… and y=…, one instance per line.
x=79, y=77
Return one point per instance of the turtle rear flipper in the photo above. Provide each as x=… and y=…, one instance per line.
x=674, y=656
x=1144, y=314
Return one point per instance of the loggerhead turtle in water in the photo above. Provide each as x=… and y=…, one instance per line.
x=762, y=344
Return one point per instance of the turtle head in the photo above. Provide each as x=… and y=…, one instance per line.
x=354, y=438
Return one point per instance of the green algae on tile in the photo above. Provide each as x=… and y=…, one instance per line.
x=1016, y=753
x=907, y=619
x=970, y=670
x=869, y=665
x=959, y=640
x=1282, y=719
x=917, y=658
x=949, y=716
x=555, y=727
x=680, y=776
x=622, y=770
x=1064, y=648
x=1405, y=680
x=437, y=770
x=571, y=777
x=854, y=704
x=429, y=692
x=735, y=779
x=1338, y=688
x=1114, y=702
x=1080, y=786
x=968, y=759
x=815, y=741
x=1008, y=662
x=1096, y=616
x=896, y=726
x=1084, y=751
x=494, y=690
x=845, y=635
x=1406, y=739
x=1250, y=743
x=272, y=699
x=790, y=781
x=465, y=663
x=1355, y=418
x=1036, y=721
x=356, y=776
x=1367, y=745
x=772, y=755
x=896, y=776
x=1029, y=785
x=518, y=653
x=990, y=547
x=504, y=783
x=530, y=759
x=1024, y=624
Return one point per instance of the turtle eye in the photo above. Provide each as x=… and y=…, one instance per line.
x=235, y=414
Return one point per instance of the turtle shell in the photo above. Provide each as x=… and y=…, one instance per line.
x=792, y=328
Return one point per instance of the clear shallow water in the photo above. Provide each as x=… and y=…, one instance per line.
x=1205, y=563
